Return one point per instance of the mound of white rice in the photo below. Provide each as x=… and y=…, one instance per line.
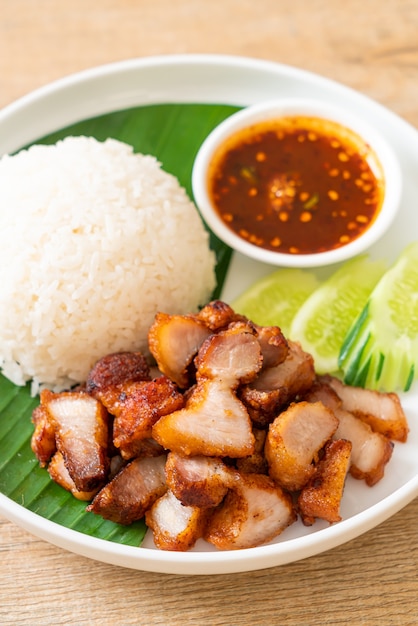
x=94, y=240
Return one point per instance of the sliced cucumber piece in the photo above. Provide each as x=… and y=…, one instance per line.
x=380, y=350
x=325, y=317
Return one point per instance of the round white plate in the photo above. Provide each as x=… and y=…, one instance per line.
x=237, y=81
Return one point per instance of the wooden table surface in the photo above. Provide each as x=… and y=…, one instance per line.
x=369, y=45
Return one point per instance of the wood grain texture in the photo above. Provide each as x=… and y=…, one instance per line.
x=369, y=45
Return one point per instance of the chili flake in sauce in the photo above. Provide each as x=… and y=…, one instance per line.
x=297, y=185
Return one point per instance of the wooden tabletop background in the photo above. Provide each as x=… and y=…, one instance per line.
x=369, y=45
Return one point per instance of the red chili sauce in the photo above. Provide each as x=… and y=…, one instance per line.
x=296, y=185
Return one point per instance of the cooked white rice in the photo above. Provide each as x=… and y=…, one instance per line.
x=94, y=240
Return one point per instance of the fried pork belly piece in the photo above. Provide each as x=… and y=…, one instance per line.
x=199, y=480
x=132, y=491
x=274, y=345
x=114, y=370
x=233, y=356
x=81, y=425
x=144, y=447
x=214, y=421
x=321, y=391
x=254, y=512
x=218, y=315
x=382, y=411
x=276, y=386
x=174, y=526
x=174, y=341
x=370, y=452
x=321, y=497
x=138, y=407
x=43, y=439
x=294, y=441
x=256, y=462
x=59, y=474
x=295, y=374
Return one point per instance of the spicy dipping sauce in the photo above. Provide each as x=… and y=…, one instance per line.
x=298, y=185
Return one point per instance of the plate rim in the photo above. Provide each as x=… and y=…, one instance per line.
x=207, y=563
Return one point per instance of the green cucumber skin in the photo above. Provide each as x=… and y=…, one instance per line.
x=369, y=358
x=352, y=337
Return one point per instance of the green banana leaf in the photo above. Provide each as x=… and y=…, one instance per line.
x=172, y=133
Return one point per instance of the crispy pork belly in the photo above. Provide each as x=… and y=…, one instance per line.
x=144, y=447
x=132, y=491
x=256, y=462
x=217, y=315
x=139, y=406
x=114, y=370
x=226, y=436
x=81, y=425
x=321, y=391
x=370, y=452
x=214, y=421
x=294, y=441
x=382, y=411
x=199, y=480
x=276, y=386
x=274, y=346
x=233, y=356
x=253, y=512
x=295, y=374
x=174, y=341
x=174, y=526
x=60, y=475
x=43, y=439
x=321, y=497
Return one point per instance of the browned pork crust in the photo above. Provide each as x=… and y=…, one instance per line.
x=294, y=441
x=231, y=439
x=254, y=512
x=321, y=497
x=132, y=491
x=81, y=427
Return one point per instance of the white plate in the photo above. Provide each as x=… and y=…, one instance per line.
x=239, y=81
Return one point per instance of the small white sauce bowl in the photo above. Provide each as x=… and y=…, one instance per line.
x=291, y=107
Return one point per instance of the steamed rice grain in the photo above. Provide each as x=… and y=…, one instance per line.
x=94, y=240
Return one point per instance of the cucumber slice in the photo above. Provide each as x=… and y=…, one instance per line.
x=380, y=350
x=274, y=299
x=324, y=319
